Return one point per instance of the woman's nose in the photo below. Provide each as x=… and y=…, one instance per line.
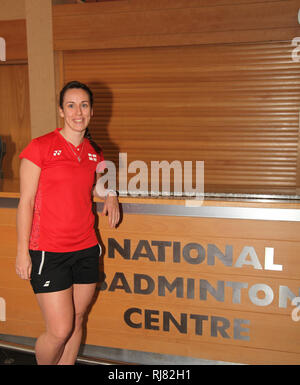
x=78, y=111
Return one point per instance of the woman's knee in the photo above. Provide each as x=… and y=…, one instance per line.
x=60, y=333
x=79, y=319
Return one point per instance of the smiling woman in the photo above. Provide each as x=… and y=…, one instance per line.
x=76, y=108
x=57, y=245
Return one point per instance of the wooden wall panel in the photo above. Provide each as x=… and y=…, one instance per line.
x=14, y=115
x=272, y=336
x=144, y=23
x=41, y=66
x=12, y=10
x=235, y=106
x=14, y=33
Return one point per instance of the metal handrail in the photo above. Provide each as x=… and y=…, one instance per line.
x=80, y=359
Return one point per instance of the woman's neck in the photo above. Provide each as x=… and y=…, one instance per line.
x=73, y=137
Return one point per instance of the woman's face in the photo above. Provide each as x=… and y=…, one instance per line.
x=77, y=110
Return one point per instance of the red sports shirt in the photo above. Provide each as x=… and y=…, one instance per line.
x=63, y=220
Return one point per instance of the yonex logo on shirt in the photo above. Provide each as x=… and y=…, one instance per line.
x=92, y=157
x=57, y=152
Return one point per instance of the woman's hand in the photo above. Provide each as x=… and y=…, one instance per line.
x=111, y=208
x=23, y=266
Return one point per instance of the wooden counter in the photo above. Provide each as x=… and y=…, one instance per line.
x=214, y=281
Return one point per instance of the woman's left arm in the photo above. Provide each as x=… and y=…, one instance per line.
x=111, y=203
x=112, y=209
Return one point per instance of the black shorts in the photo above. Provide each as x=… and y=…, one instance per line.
x=59, y=271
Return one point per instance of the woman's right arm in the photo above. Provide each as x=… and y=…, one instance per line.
x=29, y=179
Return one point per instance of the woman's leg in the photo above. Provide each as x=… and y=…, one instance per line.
x=82, y=297
x=58, y=312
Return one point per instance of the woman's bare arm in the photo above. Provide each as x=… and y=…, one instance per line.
x=111, y=204
x=29, y=179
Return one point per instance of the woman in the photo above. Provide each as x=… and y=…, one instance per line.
x=57, y=245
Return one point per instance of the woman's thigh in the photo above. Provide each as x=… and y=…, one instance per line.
x=59, y=308
x=58, y=311
x=82, y=297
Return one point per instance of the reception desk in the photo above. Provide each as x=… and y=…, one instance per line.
x=182, y=282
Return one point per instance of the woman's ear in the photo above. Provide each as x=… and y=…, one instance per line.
x=61, y=112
